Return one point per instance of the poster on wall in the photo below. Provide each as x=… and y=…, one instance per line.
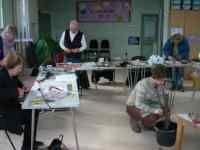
x=187, y=4
x=176, y=30
x=133, y=40
x=196, y=5
x=104, y=11
x=176, y=4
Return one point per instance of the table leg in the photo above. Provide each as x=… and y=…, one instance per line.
x=75, y=128
x=137, y=71
x=183, y=77
x=113, y=76
x=32, y=128
x=129, y=78
x=179, y=134
x=174, y=77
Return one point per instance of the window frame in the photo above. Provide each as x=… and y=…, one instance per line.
x=1, y=15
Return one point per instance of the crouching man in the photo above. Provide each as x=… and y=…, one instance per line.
x=143, y=106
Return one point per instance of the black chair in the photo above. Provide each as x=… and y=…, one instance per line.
x=105, y=44
x=6, y=125
x=93, y=44
x=104, y=52
x=92, y=52
x=105, y=49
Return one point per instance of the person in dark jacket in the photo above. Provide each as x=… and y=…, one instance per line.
x=177, y=48
x=10, y=90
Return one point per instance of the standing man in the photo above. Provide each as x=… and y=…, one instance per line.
x=73, y=43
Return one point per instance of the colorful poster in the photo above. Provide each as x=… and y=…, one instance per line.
x=133, y=40
x=104, y=11
x=175, y=30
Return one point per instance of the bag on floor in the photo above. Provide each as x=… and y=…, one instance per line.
x=57, y=144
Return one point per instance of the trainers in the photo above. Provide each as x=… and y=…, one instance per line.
x=38, y=144
x=136, y=126
x=18, y=130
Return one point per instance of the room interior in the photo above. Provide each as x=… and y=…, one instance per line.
x=101, y=118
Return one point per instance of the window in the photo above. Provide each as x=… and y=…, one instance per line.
x=1, y=14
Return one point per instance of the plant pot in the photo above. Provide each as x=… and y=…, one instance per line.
x=166, y=137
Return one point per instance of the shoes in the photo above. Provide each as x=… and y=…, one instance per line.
x=136, y=126
x=149, y=128
x=18, y=130
x=38, y=144
x=179, y=88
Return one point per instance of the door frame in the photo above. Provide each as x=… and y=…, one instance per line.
x=142, y=30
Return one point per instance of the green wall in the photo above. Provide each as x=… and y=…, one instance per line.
x=62, y=11
x=8, y=12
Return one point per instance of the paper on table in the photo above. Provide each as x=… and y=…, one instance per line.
x=65, y=77
x=185, y=116
x=188, y=118
x=35, y=86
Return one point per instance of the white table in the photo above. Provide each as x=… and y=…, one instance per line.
x=36, y=99
x=139, y=67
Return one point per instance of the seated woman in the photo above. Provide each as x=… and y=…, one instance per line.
x=143, y=103
x=12, y=89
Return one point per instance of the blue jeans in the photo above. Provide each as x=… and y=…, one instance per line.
x=71, y=60
x=177, y=77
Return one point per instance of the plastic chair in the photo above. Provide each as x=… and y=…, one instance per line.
x=196, y=84
x=92, y=53
x=105, y=44
x=105, y=49
x=93, y=44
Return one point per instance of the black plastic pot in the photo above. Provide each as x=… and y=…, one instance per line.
x=166, y=137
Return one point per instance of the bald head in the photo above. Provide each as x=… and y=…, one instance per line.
x=74, y=26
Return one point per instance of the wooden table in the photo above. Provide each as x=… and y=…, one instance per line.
x=183, y=121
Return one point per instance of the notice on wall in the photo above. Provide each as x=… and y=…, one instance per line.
x=175, y=30
x=133, y=40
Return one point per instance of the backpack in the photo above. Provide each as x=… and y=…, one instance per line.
x=57, y=144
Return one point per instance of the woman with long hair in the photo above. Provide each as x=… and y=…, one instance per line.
x=11, y=90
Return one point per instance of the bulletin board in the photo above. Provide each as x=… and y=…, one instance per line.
x=104, y=11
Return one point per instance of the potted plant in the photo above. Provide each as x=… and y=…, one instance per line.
x=166, y=129
x=46, y=48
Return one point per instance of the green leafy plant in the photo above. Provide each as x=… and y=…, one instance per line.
x=46, y=48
